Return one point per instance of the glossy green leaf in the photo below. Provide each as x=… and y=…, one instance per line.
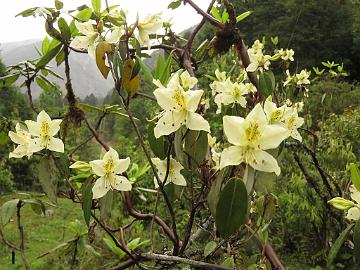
x=114, y=249
x=48, y=178
x=355, y=175
x=196, y=147
x=229, y=262
x=45, y=45
x=7, y=210
x=8, y=80
x=337, y=245
x=84, y=15
x=213, y=196
x=46, y=58
x=96, y=4
x=43, y=84
x=232, y=207
x=106, y=203
x=64, y=29
x=87, y=202
x=60, y=57
x=146, y=70
x=158, y=146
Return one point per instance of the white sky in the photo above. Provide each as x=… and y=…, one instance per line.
x=19, y=28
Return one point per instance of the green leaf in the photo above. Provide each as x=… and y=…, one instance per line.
x=158, y=146
x=84, y=15
x=174, y=4
x=200, y=51
x=91, y=250
x=209, y=248
x=355, y=175
x=166, y=71
x=106, y=203
x=46, y=58
x=58, y=4
x=87, y=202
x=337, y=245
x=356, y=238
x=213, y=196
x=64, y=29
x=232, y=207
x=229, y=262
x=43, y=84
x=115, y=249
x=45, y=45
x=146, y=70
x=7, y=210
x=215, y=12
x=36, y=205
x=243, y=16
x=196, y=146
x=267, y=82
x=27, y=12
x=8, y=80
x=48, y=178
x=225, y=16
x=60, y=57
x=96, y=4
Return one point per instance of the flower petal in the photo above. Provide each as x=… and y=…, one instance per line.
x=111, y=154
x=355, y=194
x=100, y=188
x=178, y=179
x=55, y=144
x=353, y=213
x=195, y=121
x=121, y=165
x=33, y=127
x=121, y=183
x=232, y=155
x=169, y=123
x=43, y=117
x=98, y=167
x=36, y=145
x=234, y=129
x=264, y=162
x=193, y=99
x=272, y=136
x=257, y=114
x=55, y=126
x=164, y=98
x=85, y=28
x=81, y=42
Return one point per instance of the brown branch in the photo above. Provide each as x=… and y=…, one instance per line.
x=116, y=242
x=134, y=213
x=96, y=134
x=21, y=235
x=176, y=259
x=205, y=15
x=198, y=27
x=273, y=258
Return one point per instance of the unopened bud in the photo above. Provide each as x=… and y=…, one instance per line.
x=341, y=203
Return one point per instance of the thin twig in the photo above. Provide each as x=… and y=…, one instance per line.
x=21, y=235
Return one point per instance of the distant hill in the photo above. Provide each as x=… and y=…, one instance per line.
x=86, y=78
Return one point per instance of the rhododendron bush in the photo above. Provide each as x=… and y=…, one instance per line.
x=211, y=167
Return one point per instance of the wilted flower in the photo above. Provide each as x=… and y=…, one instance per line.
x=108, y=169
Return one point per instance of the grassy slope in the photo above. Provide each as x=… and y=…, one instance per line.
x=41, y=233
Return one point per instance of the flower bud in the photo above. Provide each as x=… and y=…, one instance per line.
x=341, y=203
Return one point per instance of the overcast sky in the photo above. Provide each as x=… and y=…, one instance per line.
x=17, y=29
